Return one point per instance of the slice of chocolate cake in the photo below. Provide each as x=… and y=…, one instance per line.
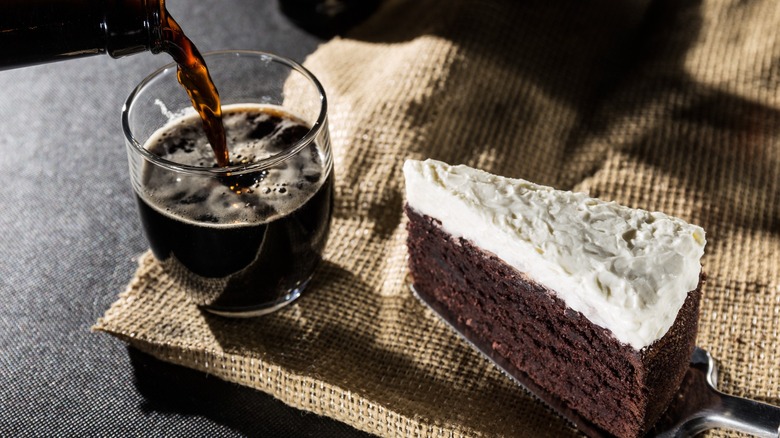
x=595, y=304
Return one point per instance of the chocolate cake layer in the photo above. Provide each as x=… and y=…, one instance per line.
x=619, y=390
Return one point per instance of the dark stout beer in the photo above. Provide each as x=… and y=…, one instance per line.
x=241, y=238
x=194, y=77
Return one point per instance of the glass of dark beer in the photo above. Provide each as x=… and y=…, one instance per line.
x=243, y=239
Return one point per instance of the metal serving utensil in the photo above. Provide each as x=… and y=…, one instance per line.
x=698, y=405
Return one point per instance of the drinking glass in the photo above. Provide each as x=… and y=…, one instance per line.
x=242, y=240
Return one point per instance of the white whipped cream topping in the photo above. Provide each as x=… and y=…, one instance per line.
x=626, y=270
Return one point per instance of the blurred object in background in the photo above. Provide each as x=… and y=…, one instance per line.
x=327, y=18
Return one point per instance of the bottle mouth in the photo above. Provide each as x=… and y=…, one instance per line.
x=134, y=27
x=170, y=69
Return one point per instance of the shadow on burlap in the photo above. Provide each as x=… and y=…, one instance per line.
x=669, y=106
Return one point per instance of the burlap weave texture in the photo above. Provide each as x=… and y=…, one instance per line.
x=670, y=106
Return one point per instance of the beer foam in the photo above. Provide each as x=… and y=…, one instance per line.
x=254, y=132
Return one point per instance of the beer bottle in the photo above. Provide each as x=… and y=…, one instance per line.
x=38, y=31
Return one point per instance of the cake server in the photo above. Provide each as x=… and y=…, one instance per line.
x=698, y=405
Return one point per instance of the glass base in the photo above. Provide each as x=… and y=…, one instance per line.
x=265, y=309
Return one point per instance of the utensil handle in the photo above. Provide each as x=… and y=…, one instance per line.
x=749, y=416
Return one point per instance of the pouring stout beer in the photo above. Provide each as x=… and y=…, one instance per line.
x=241, y=231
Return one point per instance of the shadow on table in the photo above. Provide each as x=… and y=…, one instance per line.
x=169, y=388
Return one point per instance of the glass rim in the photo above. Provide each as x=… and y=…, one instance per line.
x=260, y=165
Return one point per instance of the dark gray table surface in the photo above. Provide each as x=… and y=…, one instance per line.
x=69, y=237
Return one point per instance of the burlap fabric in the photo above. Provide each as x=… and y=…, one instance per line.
x=671, y=105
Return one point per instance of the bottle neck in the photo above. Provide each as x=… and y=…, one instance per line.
x=133, y=26
x=38, y=31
